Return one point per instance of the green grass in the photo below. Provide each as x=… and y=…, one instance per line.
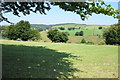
x=58, y=60
x=89, y=30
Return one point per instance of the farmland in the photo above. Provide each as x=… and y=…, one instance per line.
x=92, y=33
x=58, y=60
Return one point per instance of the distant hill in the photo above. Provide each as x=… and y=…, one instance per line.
x=65, y=25
x=44, y=27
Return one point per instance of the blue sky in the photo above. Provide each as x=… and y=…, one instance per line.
x=57, y=15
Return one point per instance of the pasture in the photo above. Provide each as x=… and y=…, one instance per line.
x=58, y=60
x=91, y=33
x=89, y=30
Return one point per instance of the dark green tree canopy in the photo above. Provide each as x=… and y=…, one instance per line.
x=21, y=31
x=112, y=35
x=84, y=9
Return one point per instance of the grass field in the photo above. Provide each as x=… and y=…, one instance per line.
x=91, y=33
x=74, y=39
x=89, y=30
x=58, y=60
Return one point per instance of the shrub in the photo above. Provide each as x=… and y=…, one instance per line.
x=101, y=42
x=112, y=35
x=57, y=36
x=79, y=33
x=61, y=28
x=100, y=28
x=83, y=41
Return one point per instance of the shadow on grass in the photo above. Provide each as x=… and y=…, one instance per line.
x=20, y=61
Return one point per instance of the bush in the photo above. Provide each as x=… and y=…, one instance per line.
x=83, y=41
x=21, y=31
x=79, y=33
x=101, y=43
x=57, y=36
x=100, y=28
x=61, y=28
x=112, y=35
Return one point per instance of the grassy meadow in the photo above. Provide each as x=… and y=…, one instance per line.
x=91, y=33
x=58, y=60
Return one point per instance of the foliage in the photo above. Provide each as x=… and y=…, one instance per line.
x=112, y=35
x=67, y=33
x=61, y=28
x=57, y=36
x=2, y=28
x=83, y=41
x=84, y=9
x=100, y=28
x=79, y=33
x=35, y=35
x=22, y=31
x=11, y=32
x=101, y=42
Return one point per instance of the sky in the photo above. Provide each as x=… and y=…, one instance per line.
x=58, y=16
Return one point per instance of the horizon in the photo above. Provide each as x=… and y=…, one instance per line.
x=56, y=24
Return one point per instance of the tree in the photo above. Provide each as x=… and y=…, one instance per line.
x=79, y=33
x=21, y=31
x=34, y=35
x=112, y=35
x=100, y=28
x=61, y=28
x=57, y=36
x=10, y=32
x=84, y=9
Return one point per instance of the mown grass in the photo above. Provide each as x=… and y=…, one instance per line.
x=58, y=60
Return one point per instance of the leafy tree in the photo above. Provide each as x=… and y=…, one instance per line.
x=57, y=36
x=61, y=28
x=22, y=31
x=67, y=33
x=10, y=32
x=112, y=35
x=84, y=9
x=79, y=33
x=100, y=28
x=34, y=35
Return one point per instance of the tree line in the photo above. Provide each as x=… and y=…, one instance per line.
x=22, y=31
